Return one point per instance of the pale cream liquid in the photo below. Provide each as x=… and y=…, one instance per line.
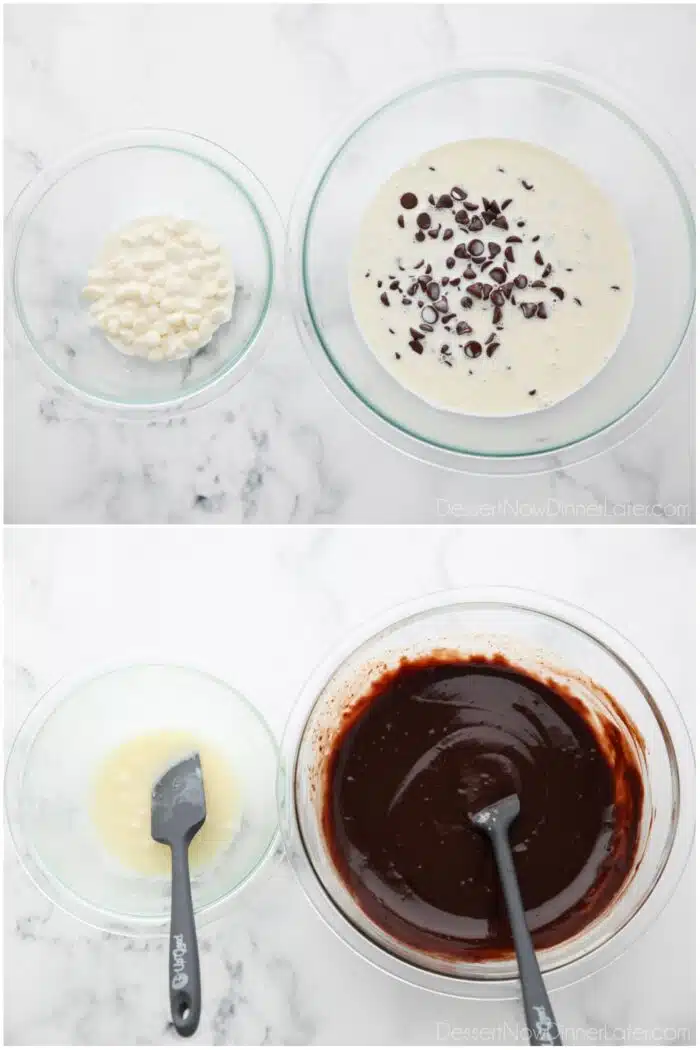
x=120, y=805
x=578, y=229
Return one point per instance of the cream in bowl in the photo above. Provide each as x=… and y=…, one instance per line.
x=492, y=277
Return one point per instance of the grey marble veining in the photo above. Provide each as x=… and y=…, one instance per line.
x=277, y=447
x=272, y=972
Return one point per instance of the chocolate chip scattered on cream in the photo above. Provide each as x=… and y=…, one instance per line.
x=489, y=269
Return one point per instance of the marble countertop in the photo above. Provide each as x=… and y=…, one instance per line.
x=257, y=455
x=272, y=972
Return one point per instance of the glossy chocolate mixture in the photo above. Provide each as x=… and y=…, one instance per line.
x=435, y=740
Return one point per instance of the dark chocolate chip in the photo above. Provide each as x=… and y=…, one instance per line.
x=527, y=185
x=384, y=298
x=501, y=222
x=559, y=292
x=429, y=269
x=486, y=288
x=464, y=329
x=444, y=201
x=426, y=328
x=520, y=224
x=434, y=234
x=536, y=239
x=397, y=356
x=448, y=317
x=470, y=206
x=416, y=346
x=461, y=216
x=510, y=254
x=419, y=264
x=469, y=273
x=497, y=297
x=505, y=203
x=448, y=234
x=455, y=281
x=497, y=315
x=486, y=265
x=520, y=281
x=476, y=247
x=476, y=224
x=401, y=221
x=415, y=334
x=423, y=220
x=542, y=310
x=379, y=284
x=538, y=284
x=547, y=270
x=429, y=313
x=514, y=240
x=508, y=289
x=615, y=287
x=476, y=289
x=409, y=201
x=473, y=349
x=420, y=236
x=491, y=350
x=578, y=301
x=498, y=274
x=466, y=302
x=412, y=288
x=450, y=263
x=394, y=285
x=433, y=290
x=458, y=193
x=444, y=281
x=529, y=309
x=494, y=249
x=461, y=250
x=431, y=198
x=442, y=305
x=406, y=302
x=538, y=258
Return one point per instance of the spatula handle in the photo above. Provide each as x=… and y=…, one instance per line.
x=539, y=1015
x=183, y=973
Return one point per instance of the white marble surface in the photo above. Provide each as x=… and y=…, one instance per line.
x=272, y=83
x=272, y=972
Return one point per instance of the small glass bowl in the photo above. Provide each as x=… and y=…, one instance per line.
x=564, y=113
x=57, y=228
x=547, y=637
x=50, y=775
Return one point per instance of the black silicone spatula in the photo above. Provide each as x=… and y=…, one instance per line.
x=495, y=821
x=178, y=810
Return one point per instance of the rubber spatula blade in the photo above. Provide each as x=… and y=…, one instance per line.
x=178, y=810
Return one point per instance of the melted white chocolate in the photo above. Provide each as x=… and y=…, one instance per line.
x=120, y=806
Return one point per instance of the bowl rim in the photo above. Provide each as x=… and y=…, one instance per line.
x=625, y=653
x=203, y=150
x=381, y=424
x=56, y=891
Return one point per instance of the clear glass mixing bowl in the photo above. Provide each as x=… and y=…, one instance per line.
x=545, y=636
x=50, y=776
x=56, y=230
x=562, y=112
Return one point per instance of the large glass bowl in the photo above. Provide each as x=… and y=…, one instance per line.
x=50, y=777
x=562, y=112
x=547, y=637
x=57, y=228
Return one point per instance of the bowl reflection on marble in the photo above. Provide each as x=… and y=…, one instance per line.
x=50, y=784
x=545, y=637
x=553, y=109
x=57, y=229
